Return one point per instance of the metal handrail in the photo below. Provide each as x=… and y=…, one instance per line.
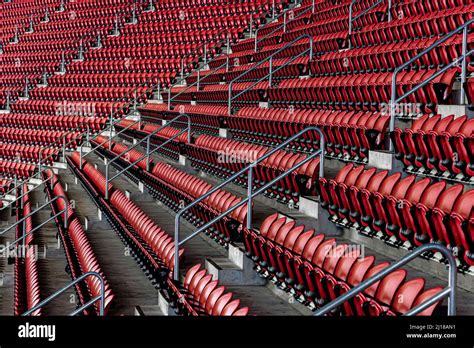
x=282, y=25
x=101, y=297
x=250, y=193
x=148, y=152
x=113, y=113
x=17, y=223
x=39, y=172
x=394, y=100
x=449, y=291
x=363, y=13
x=63, y=150
x=196, y=83
x=226, y=64
x=108, y=140
x=271, y=70
x=24, y=234
x=80, y=40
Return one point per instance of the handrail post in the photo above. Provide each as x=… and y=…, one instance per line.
x=198, y=78
x=39, y=160
x=251, y=26
x=159, y=90
x=350, y=23
x=392, y=106
x=389, y=11
x=270, y=73
x=107, y=180
x=249, y=195
x=393, y=98
x=462, y=94
x=227, y=53
x=205, y=53
x=169, y=98
x=255, y=47
x=148, y=155
x=229, y=100
x=176, y=248
x=64, y=150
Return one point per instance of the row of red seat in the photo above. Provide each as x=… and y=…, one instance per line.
x=352, y=92
x=113, y=80
x=28, y=153
x=175, y=46
x=319, y=270
x=363, y=91
x=176, y=186
x=178, y=25
x=203, y=296
x=148, y=128
x=209, y=11
x=88, y=93
x=19, y=169
x=186, y=4
x=402, y=209
x=27, y=292
x=78, y=249
x=224, y=157
x=40, y=136
x=56, y=122
x=347, y=133
x=415, y=26
x=387, y=56
x=76, y=108
x=444, y=145
x=130, y=64
x=293, y=68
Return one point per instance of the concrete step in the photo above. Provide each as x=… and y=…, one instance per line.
x=128, y=281
x=456, y=110
x=236, y=269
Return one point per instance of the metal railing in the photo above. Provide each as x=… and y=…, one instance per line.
x=126, y=105
x=196, y=83
x=64, y=147
x=204, y=46
x=38, y=174
x=363, y=13
x=109, y=139
x=148, y=153
x=271, y=70
x=24, y=235
x=449, y=291
x=272, y=10
x=287, y=18
x=100, y=297
x=462, y=59
x=250, y=192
